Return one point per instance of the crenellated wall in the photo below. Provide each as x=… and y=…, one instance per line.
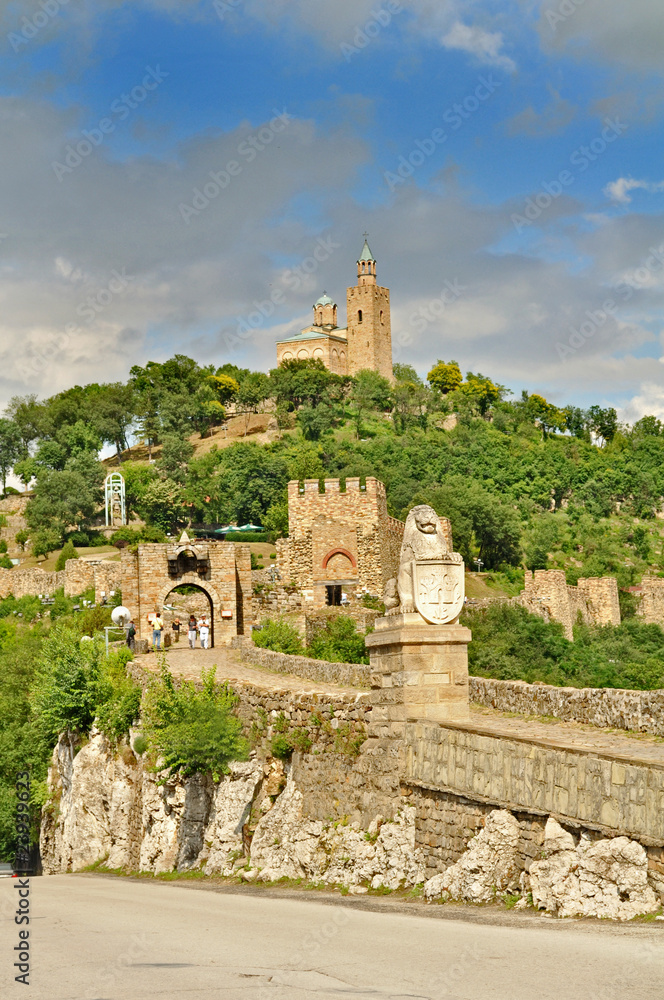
x=339, y=536
x=548, y=595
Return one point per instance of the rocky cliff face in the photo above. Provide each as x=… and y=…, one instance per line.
x=107, y=805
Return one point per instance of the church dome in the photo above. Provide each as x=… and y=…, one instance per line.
x=324, y=300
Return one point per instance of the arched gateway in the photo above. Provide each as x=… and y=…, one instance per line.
x=221, y=570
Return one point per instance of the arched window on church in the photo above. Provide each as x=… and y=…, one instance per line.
x=359, y=316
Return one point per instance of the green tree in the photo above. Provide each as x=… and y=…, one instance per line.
x=603, y=423
x=297, y=382
x=115, y=411
x=254, y=390
x=445, y=376
x=481, y=391
x=369, y=392
x=11, y=448
x=176, y=453
x=68, y=552
x=191, y=730
x=162, y=503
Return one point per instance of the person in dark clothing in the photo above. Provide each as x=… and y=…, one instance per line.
x=131, y=635
x=176, y=629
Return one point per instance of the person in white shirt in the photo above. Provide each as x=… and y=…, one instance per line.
x=204, y=632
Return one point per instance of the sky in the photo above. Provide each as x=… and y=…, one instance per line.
x=187, y=176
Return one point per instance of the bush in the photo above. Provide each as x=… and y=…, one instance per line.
x=3, y=545
x=193, y=731
x=140, y=745
x=256, y=561
x=66, y=690
x=511, y=644
x=80, y=538
x=133, y=536
x=68, y=552
x=28, y=608
x=5, y=562
x=119, y=697
x=280, y=636
x=339, y=642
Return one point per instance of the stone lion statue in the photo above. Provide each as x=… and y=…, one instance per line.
x=423, y=538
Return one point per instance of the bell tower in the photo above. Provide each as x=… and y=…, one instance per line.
x=369, y=324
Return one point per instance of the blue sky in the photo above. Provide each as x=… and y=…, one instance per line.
x=511, y=149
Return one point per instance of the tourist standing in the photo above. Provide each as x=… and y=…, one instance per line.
x=204, y=630
x=157, y=629
x=131, y=635
x=191, y=631
x=176, y=629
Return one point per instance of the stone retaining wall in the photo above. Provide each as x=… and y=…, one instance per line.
x=638, y=711
x=581, y=788
x=340, y=674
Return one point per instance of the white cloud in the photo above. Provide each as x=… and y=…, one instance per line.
x=484, y=45
x=618, y=190
x=629, y=34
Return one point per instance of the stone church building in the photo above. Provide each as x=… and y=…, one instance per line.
x=366, y=340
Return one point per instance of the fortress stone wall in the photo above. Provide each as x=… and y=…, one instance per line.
x=339, y=537
x=651, y=608
x=221, y=570
x=548, y=595
x=13, y=509
x=78, y=576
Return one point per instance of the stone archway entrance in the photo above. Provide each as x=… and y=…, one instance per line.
x=187, y=599
x=219, y=570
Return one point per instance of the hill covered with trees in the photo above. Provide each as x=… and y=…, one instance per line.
x=526, y=484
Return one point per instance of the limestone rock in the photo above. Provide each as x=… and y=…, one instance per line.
x=384, y=856
x=556, y=838
x=285, y=844
x=230, y=810
x=93, y=814
x=606, y=879
x=489, y=865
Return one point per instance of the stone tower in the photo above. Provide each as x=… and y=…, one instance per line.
x=369, y=325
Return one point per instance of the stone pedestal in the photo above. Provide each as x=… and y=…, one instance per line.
x=418, y=672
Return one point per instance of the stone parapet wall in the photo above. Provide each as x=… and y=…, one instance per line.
x=637, y=711
x=341, y=674
x=581, y=788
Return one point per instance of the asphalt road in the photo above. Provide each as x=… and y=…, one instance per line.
x=95, y=938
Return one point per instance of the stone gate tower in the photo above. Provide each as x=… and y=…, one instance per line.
x=369, y=325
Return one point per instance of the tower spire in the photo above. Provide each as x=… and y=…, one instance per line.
x=366, y=265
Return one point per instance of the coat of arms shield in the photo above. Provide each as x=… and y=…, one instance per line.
x=438, y=588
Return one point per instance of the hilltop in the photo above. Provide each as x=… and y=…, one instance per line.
x=526, y=484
